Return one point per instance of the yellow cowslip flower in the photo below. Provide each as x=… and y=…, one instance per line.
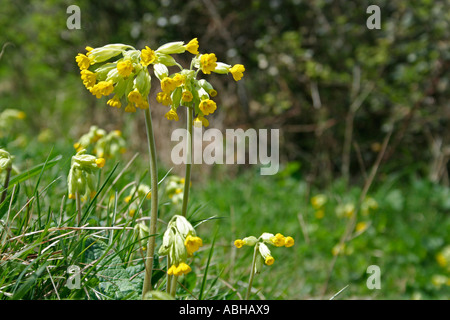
x=181, y=269
x=89, y=78
x=237, y=71
x=192, y=46
x=148, y=56
x=100, y=162
x=192, y=244
x=265, y=253
x=278, y=240
x=269, y=260
x=172, y=115
x=83, y=61
x=289, y=242
x=239, y=243
x=125, y=67
x=164, y=98
x=135, y=96
x=81, y=178
x=186, y=96
x=208, y=62
x=202, y=120
x=168, y=85
x=179, y=79
x=207, y=106
x=114, y=102
x=130, y=108
x=103, y=88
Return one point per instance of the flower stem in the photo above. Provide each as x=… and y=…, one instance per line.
x=78, y=204
x=154, y=204
x=252, y=273
x=187, y=175
x=6, y=184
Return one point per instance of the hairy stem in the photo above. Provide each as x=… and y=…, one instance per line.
x=154, y=204
x=252, y=273
x=187, y=175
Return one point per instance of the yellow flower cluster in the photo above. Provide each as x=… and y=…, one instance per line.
x=183, y=87
x=277, y=240
x=179, y=242
x=82, y=178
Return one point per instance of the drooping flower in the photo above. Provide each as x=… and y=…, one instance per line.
x=83, y=61
x=172, y=115
x=125, y=67
x=207, y=106
x=148, y=56
x=179, y=242
x=208, y=62
x=192, y=46
x=237, y=71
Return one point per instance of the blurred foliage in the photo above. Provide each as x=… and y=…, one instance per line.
x=306, y=63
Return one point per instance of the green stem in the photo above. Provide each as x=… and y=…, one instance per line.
x=173, y=287
x=78, y=204
x=252, y=273
x=154, y=204
x=6, y=185
x=187, y=175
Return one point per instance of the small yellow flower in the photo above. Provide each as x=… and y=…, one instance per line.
x=208, y=62
x=289, y=242
x=168, y=85
x=135, y=96
x=100, y=162
x=125, y=67
x=182, y=268
x=103, y=88
x=114, y=102
x=171, y=270
x=237, y=71
x=192, y=244
x=127, y=199
x=148, y=56
x=202, y=120
x=164, y=98
x=278, y=240
x=239, y=243
x=89, y=78
x=83, y=61
x=187, y=96
x=269, y=260
x=130, y=108
x=192, y=46
x=172, y=115
x=207, y=106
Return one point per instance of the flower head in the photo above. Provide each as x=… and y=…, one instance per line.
x=208, y=62
x=179, y=242
x=237, y=71
x=172, y=115
x=207, y=106
x=125, y=67
x=148, y=56
x=192, y=46
x=83, y=61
